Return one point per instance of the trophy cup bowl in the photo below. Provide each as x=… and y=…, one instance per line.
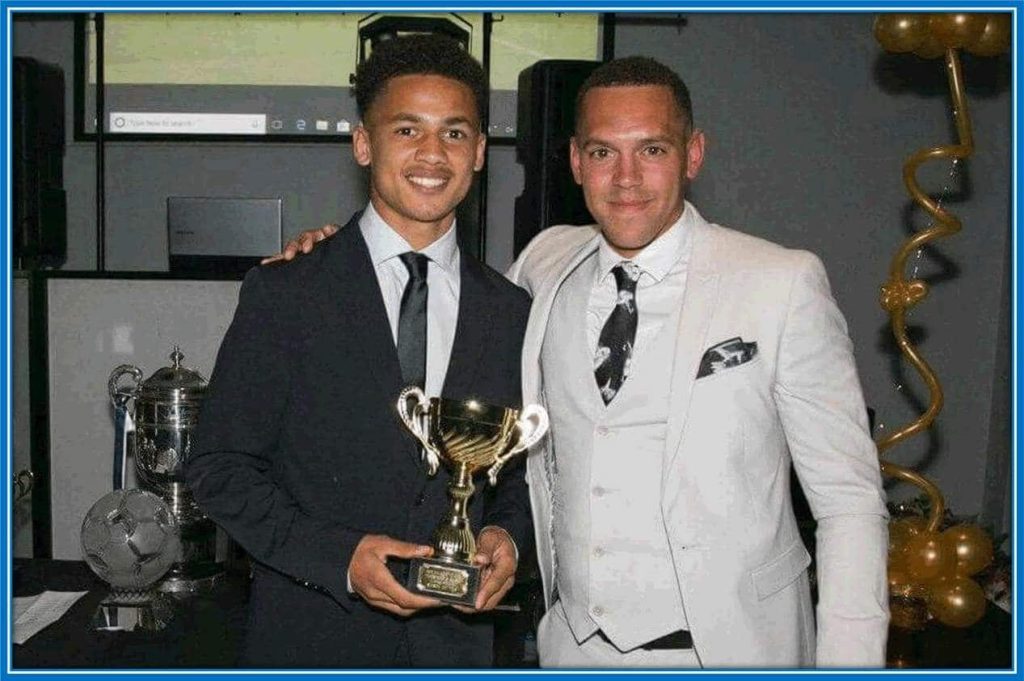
x=467, y=436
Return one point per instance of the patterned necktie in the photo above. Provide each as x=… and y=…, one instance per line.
x=615, y=344
x=412, y=321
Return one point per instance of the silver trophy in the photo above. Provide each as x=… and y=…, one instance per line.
x=165, y=410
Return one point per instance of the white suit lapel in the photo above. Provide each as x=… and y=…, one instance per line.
x=544, y=298
x=699, y=304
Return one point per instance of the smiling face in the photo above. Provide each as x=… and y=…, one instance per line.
x=633, y=156
x=422, y=142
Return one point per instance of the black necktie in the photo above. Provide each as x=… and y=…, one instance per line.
x=615, y=344
x=412, y=321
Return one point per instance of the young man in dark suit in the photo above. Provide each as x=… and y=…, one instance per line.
x=300, y=454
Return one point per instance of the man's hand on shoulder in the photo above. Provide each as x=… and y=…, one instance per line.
x=303, y=243
x=370, y=578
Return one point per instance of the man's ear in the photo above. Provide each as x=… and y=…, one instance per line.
x=694, y=154
x=574, y=160
x=481, y=155
x=361, y=147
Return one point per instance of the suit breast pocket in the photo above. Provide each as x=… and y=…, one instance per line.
x=740, y=372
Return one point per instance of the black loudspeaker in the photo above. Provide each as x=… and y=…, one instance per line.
x=545, y=117
x=40, y=211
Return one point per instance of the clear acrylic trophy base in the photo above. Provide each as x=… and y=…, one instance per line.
x=133, y=611
x=446, y=580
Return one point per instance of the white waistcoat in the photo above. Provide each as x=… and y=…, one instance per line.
x=614, y=569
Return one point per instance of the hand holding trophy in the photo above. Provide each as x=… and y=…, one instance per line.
x=467, y=436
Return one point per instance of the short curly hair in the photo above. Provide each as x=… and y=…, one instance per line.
x=628, y=71
x=420, y=54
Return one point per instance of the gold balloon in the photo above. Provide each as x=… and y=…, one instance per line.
x=956, y=601
x=901, y=530
x=900, y=32
x=901, y=584
x=898, y=559
x=929, y=47
x=955, y=30
x=994, y=38
x=908, y=613
x=928, y=557
x=972, y=547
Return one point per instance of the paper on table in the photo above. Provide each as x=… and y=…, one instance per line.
x=22, y=604
x=41, y=611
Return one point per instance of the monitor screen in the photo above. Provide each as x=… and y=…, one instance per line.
x=288, y=73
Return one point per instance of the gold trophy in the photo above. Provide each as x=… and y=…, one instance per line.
x=467, y=436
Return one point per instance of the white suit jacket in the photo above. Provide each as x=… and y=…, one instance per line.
x=732, y=434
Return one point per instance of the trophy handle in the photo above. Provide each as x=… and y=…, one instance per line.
x=119, y=395
x=413, y=406
x=124, y=418
x=531, y=426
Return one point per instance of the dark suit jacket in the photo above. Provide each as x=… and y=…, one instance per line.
x=299, y=453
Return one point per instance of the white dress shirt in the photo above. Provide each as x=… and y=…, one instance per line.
x=385, y=245
x=659, y=291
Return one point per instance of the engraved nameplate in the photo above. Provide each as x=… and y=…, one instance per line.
x=447, y=581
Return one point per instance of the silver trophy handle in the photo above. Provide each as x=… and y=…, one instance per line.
x=119, y=395
x=124, y=417
x=531, y=426
x=413, y=406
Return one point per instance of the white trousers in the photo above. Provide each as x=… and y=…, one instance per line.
x=557, y=647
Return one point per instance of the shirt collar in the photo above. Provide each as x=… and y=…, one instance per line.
x=384, y=243
x=658, y=258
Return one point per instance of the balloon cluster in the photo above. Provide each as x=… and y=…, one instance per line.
x=930, y=35
x=932, y=569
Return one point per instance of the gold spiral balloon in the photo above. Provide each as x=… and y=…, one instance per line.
x=931, y=35
x=926, y=567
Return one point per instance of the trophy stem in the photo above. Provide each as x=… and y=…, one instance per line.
x=453, y=538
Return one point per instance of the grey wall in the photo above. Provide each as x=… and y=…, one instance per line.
x=808, y=124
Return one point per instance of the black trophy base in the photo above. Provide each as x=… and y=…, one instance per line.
x=451, y=582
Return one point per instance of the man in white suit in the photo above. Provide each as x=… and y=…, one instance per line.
x=661, y=500
x=685, y=366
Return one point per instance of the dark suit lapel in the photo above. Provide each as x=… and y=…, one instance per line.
x=353, y=297
x=471, y=331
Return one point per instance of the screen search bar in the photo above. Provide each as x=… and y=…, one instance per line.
x=128, y=122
